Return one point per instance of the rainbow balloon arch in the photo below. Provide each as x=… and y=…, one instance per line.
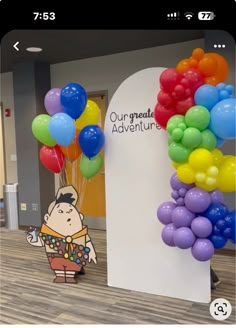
x=198, y=111
x=70, y=131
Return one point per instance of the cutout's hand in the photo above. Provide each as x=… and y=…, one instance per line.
x=38, y=243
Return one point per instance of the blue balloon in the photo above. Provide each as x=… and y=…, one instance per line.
x=62, y=129
x=91, y=140
x=216, y=231
x=216, y=212
x=73, y=99
x=221, y=224
x=207, y=96
x=231, y=223
x=227, y=233
x=230, y=219
x=218, y=241
x=222, y=120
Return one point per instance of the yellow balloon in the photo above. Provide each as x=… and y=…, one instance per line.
x=91, y=115
x=217, y=157
x=185, y=173
x=204, y=186
x=200, y=159
x=175, y=165
x=227, y=174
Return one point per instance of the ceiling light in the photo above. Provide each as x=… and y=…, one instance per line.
x=34, y=49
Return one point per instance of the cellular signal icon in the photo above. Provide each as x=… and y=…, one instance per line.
x=173, y=16
x=188, y=15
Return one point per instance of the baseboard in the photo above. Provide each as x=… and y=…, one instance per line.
x=225, y=251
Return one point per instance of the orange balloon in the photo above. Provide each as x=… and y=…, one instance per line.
x=193, y=62
x=214, y=67
x=73, y=151
x=198, y=53
x=222, y=67
x=182, y=65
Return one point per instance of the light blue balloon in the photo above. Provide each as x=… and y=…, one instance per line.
x=207, y=96
x=222, y=121
x=62, y=129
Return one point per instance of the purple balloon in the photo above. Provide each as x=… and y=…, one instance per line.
x=184, y=238
x=182, y=192
x=203, y=249
x=197, y=200
x=176, y=184
x=168, y=234
x=180, y=201
x=201, y=227
x=216, y=196
x=52, y=101
x=182, y=217
x=164, y=212
x=175, y=194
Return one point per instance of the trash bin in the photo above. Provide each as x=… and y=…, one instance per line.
x=10, y=194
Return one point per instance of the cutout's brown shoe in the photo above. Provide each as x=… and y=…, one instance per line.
x=59, y=280
x=71, y=280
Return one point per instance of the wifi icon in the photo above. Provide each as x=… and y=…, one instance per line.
x=188, y=15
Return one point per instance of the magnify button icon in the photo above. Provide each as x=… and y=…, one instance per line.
x=220, y=309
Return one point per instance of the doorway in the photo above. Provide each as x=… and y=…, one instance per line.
x=2, y=171
x=91, y=192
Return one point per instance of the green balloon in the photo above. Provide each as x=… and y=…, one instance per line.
x=192, y=138
x=90, y=167
x=178, y=153
x=40, y=129
x=197, y=117
x=170, y=140
x=182, y=126
x=173, y=122
x=208, y=140
x=177, y=134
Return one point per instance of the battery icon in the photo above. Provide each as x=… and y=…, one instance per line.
x=206, y=15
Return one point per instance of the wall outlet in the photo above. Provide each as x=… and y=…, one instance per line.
x=23, y=206
x=35, y=207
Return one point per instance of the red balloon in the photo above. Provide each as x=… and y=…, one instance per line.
x=165, y=99
x=194, y=77
x=169, y=78
x=182, y=106
x=162, y=115
x=52, y=158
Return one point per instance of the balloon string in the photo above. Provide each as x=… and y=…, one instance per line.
x=83, y=187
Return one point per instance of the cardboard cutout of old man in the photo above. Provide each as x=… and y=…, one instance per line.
x=65, y=238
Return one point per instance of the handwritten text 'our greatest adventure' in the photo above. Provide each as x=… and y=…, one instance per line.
x=133, y=122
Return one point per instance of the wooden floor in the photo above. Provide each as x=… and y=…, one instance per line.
x=28, y=295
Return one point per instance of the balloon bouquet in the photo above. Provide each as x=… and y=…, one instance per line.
x=198, y=111
x=70, y=131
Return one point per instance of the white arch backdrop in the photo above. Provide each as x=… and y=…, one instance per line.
x=138, y=171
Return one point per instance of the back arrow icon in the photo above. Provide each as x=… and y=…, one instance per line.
x=15, y=46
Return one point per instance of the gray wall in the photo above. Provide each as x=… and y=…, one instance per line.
x=36, y=184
